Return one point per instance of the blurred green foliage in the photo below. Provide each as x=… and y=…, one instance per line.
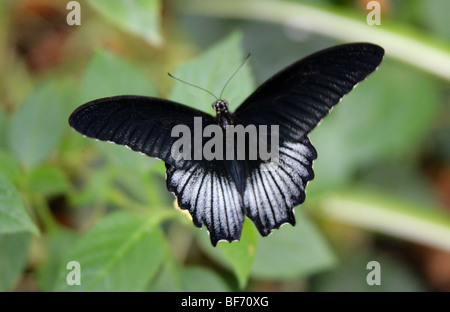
x=383, y=153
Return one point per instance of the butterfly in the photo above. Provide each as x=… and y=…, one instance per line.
x=219, y=193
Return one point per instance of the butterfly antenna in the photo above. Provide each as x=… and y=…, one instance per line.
x=235, y=72
x=190, y=84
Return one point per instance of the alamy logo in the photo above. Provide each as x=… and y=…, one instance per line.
x=374, y=16
x=74, y=16
x=74, y=276
x=374, y=276
x=230, y=142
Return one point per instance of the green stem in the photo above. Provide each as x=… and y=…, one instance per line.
x=404, y=45
x=382, y=214
x=123, y=201
x=43, y=212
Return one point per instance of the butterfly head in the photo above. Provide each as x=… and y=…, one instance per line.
x=220, y=106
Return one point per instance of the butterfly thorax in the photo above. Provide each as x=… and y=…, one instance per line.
x=223, y=116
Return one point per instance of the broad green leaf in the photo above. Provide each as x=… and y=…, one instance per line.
x=9, y=166
x=292, y=252
x=143, y=186
x=240, y=255
x=108, y=75
x=352, y=274
x=200, y=279
x=121, y=253
x=13, y=258
x=159, y=169
x=57, y=245
x=37, y=127
x=211, y=70
x=379, y=120
x=127, y=159
x=237, y=256
x=97, y=189
x=112, y=184
x=168, y=278
x=72, y=97
x=48, y=180
x=13, y=215
x=139, y=17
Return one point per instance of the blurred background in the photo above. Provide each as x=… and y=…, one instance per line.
x=382, y=186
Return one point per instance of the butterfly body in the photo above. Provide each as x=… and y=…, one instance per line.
x=219, y=193
x=223, y=116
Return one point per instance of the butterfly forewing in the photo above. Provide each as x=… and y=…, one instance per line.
x=299, y=96
x=141, y=123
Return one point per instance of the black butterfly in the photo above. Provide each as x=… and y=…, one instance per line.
x=219, y=193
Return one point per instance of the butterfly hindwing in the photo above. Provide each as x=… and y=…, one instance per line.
x=211, y=197
x=273, y=190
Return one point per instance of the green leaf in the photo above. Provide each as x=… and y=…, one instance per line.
x=139, y=185
x=168, y=278
x=121, y=253
x=211, y=70
x=292, y=252
x=9, y=166
x=71, y=95
x=97, y=189
x=377, y=121
x=37, y=127
x=57, y=245
x=237, y=256
x=108, y=75
x=125, y=158
x=200, y=279
x=139, y=17
x=48, y=180
x=240, y=255
x=13, y=258
x=13, y=215
x=114, y=185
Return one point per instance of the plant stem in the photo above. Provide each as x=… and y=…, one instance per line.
x=43, y=213
x=379, y=213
